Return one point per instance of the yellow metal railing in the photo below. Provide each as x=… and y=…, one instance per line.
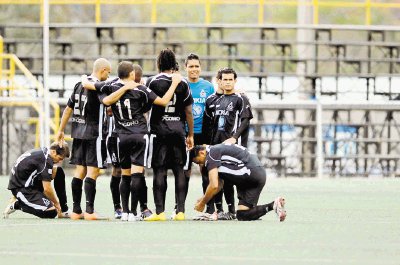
x=8, y=75
x=209, y=5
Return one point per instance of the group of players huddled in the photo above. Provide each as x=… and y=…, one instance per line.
x=167, y=123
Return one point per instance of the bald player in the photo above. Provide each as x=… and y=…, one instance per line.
x=88, y=145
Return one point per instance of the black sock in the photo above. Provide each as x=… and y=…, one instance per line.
x=229, y=193
x=143, y=195
x=187, y=178
x=210, y=206
x=159, y=188
x=59, y=187
x=114, y=187
x=125, y=190
x=252, y=214
x=180, y=187
x=218, y=201
x=90, y=192
x=269, y=206
x=76, y=187
x=17, y=205
x=136, y=191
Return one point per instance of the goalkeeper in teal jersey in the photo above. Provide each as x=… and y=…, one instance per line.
x=201, y=89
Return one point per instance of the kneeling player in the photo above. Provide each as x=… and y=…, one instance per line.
x=236, y=165
x=30, y=182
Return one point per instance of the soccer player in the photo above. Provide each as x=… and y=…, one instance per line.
x=233, y=163
x=113, y=158
x=209, y=110
x=30, y=182
x=201, y=89
x=167, y=128
x=128, y=107
x=232, y=113
x=232, y=118
x=88, y=145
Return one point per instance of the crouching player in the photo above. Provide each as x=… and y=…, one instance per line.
x=235, y=164
x=30, y=182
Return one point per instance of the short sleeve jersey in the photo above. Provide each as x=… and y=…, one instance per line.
x=229, y=110
x=170, y=119
x=200, y=90
x=30, y=169
x=208, y=116
x=88, y=113
x=233, y=162
x=128, y=110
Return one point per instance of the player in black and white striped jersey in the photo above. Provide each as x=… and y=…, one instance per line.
x=233, y=163
x=232, y=115
x=88, y=146
x=30, y=182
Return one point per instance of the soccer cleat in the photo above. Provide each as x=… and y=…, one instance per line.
x=146, y=213
x=226, y=216
x=76, y=216
x=118, y=213
x=10, y=208
x=206, y=217
x=93, y=217
x=179, y=217
x=124, y=217
x=279, y=208
x=134, y=218
x=156, y=217
x=66, y=214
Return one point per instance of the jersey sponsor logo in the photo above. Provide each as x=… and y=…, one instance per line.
x=129, y=123
x=221, y=123
x=197, y=110
x=78, y=120
x=222, y=112
x=168, y=118
x=230, y=107
x=199, y=100
x=203, y=93
x=46, y=201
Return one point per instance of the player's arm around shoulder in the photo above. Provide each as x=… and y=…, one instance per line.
x=176, y=80
x=116, y=95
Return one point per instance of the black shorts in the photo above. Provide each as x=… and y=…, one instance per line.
x=249, y=193
x=89, y=153
x=112, y=150
x=133, y=149
x=166, y=151
x=32, y=198
x=199, y=139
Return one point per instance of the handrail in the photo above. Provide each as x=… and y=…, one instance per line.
x=203, y=26
x=16, y=62
x=367, y=5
